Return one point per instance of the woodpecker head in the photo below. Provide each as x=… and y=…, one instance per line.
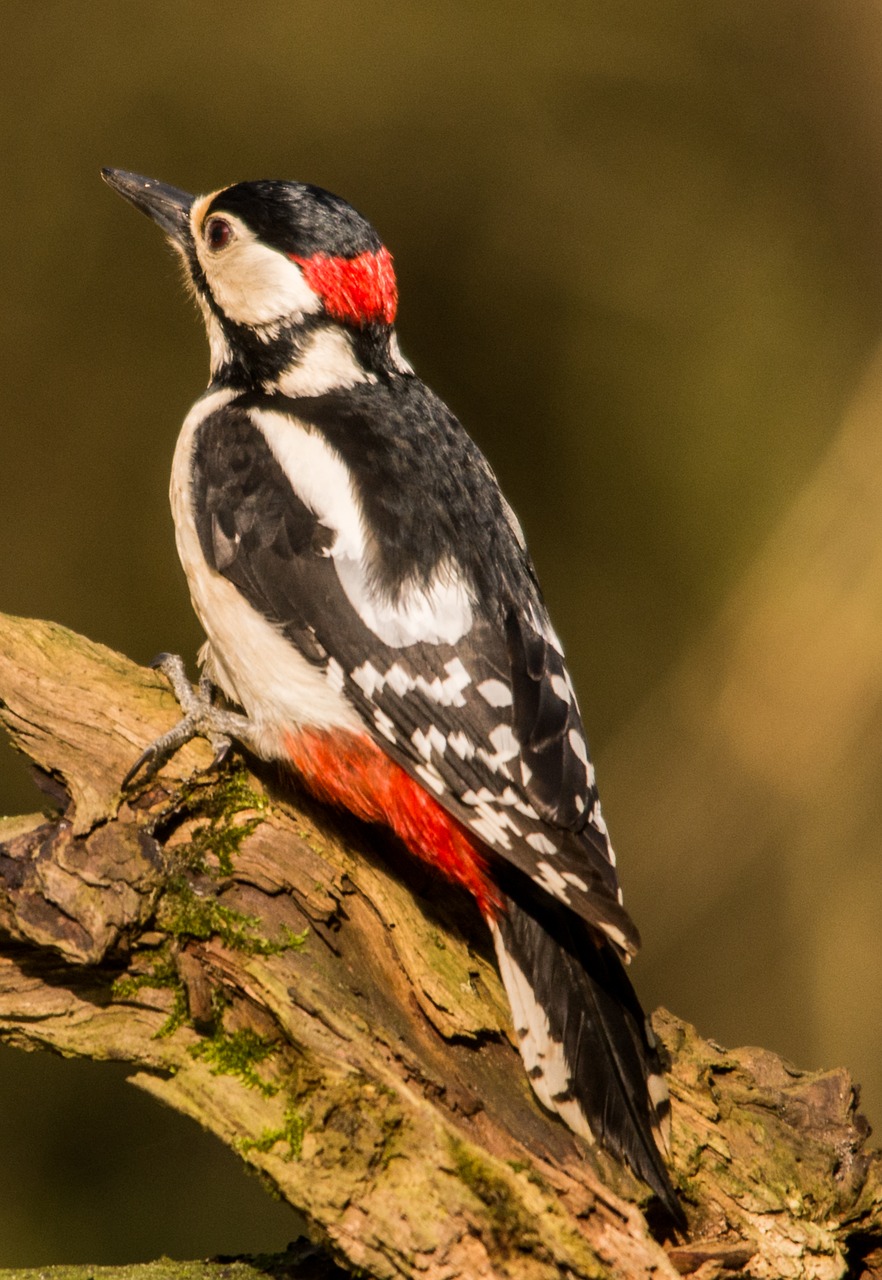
x=295, y=286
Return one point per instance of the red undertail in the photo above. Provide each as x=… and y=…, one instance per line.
x=351, y=771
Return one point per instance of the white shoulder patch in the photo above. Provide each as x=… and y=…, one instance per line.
x=437, y=614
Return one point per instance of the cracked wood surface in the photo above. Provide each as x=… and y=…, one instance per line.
x=284, y=977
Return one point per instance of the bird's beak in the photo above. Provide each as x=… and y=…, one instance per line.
x=167, y=206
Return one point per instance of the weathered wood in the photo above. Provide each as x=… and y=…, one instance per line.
x=284, y=978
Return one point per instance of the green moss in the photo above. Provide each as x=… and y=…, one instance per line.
x=183, y=913
x=524, y=1167
x=162, y=975
x=291, y=1132
x=220, y=803
x=511, y=1226
x=238, y=1053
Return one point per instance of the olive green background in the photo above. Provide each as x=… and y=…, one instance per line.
x=638, y=252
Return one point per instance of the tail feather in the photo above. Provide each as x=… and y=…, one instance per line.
x=584, y=1039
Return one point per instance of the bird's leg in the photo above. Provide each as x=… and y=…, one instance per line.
x=201, y=719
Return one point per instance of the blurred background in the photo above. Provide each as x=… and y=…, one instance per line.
x=638, y=245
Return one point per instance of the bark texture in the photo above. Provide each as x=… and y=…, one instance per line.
x=288, y=980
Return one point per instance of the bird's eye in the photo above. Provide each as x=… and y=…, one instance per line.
x=218, y=233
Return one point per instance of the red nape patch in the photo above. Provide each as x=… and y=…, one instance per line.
x=359, y=290
x=350, y=770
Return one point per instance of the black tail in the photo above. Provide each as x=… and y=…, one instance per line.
x=584, y=1039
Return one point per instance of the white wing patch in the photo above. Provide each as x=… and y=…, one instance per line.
x=385, y=725
x=438, y=614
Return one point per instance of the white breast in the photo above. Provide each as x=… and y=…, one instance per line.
x=247, y=656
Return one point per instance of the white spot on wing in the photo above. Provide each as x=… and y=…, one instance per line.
x=536, y=840
x=398, y=680
x=432, y=777
x=495, y=693
x=457, y=680
x=368, y=679
x=506, y=747
x=560, y=687
x=432, y=739
x=577, y=743
x=526, y=809
x=576, y=881
x=597, y=819
x=334, y=675
x=489, y=823
x=385, y=725
x=551, y=880
x=462, y=745
x=615, y=935
x=482, y=796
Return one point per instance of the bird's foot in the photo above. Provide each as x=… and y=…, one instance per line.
x=201, y=719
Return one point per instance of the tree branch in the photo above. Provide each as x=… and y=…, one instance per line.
x=285, y=978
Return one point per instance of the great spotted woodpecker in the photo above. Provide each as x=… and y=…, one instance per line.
x=370, y=605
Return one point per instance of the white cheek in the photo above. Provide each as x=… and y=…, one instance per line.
x=255, y=285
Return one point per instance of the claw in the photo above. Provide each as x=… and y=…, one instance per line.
x=201, y=719
x=136, y=768
x=222, y=748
